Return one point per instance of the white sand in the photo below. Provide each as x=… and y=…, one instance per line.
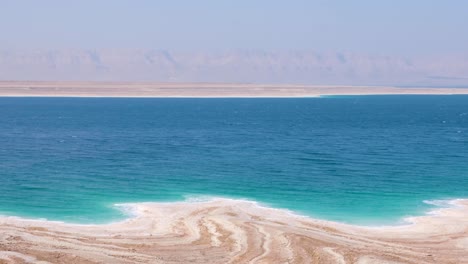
x=235, y=231
x=108, y=89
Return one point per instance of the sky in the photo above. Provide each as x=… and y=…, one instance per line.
x=400, y=27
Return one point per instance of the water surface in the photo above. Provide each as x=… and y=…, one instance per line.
x=356, y=159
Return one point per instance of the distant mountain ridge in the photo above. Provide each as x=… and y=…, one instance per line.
x=304, y=67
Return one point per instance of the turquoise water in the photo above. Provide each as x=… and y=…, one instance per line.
x=358, y=159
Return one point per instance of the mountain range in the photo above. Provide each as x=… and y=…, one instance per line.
x=240, y=66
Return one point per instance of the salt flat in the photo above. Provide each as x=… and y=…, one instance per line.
x=133, y=89
x=235, y=231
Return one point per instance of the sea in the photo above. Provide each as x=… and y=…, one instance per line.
x=365, y=160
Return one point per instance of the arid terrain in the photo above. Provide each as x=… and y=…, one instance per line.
x=109, y=89
x=235, y=231
x=234, y=66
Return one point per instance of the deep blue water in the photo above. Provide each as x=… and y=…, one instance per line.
x=357, y=159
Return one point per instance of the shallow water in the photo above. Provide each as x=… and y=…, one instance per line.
x=356, y=159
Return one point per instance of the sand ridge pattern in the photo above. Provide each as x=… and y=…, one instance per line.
x=234, y=231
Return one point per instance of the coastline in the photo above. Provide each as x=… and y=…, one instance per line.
x=236, y=231
x=219, y=230
x=203, y=90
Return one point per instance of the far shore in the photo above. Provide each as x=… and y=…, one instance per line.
x=141, y=89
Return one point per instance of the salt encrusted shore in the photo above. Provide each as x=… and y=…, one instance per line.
x=121, y=89
x=235, y=231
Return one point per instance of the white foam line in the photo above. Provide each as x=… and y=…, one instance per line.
x=136, y=210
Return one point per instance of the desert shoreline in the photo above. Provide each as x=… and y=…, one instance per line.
x=202, y=90
x=235, y=231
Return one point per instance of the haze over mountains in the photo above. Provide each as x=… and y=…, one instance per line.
x=304, y=67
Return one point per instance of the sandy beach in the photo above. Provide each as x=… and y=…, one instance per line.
x=235, y=231
x=122, y=89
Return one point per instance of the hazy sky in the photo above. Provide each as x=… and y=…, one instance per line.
x=405, y=27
